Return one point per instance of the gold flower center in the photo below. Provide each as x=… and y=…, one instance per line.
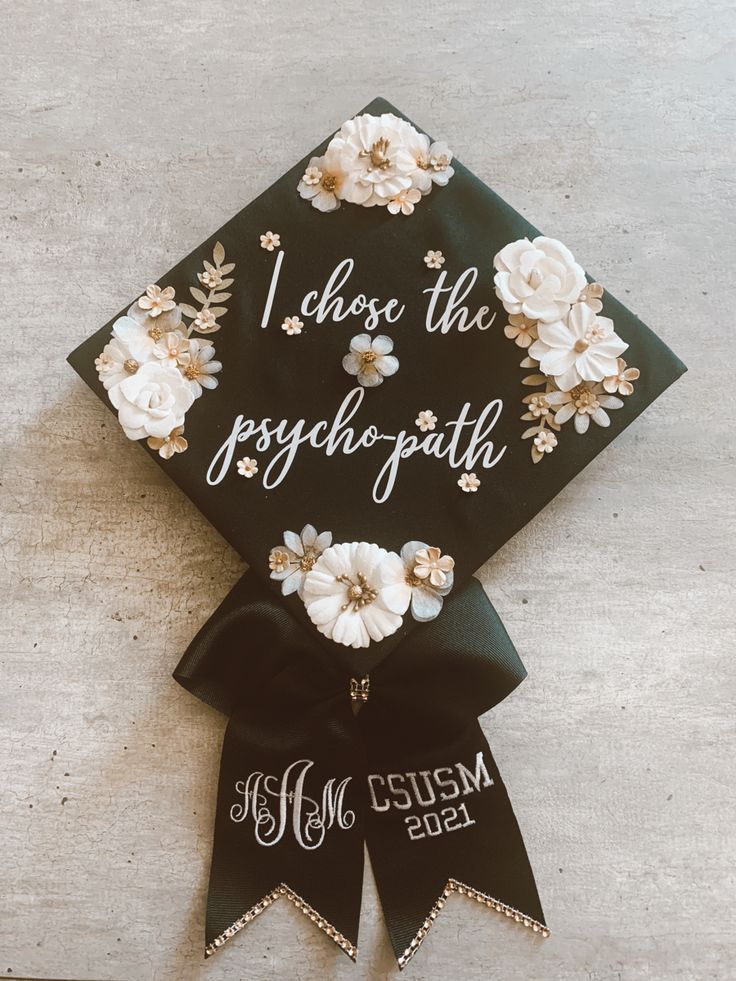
x=378, y=154
x=581, y=345
x=411, y=580
x=359, y=593
x=131, y=366
x=329, y=182
x=369, y=357
x=306, y=562
x=155, y=332
x=191, y=371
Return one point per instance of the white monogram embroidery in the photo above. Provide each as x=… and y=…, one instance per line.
x=274, y=804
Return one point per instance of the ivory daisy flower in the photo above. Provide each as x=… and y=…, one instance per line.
x=370, y=359
x=247, y=467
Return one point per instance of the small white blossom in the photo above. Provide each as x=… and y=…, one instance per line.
x=169, y=445
x=420, y=577
x=156, y=301
x=247, y=467
x=468, y=483
x=545, y=441
x=211, y=278
x=371, y=359
x=426, y=420
x=403, y=202
x=270, y=241
x=292, y=325
x=434, y=259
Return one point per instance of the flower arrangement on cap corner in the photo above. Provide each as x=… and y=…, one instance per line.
x=358, y=592
x=376, y=161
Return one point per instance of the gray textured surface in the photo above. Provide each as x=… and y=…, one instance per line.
x=129, y=132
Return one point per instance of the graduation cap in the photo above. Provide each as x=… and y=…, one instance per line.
x=372, y=377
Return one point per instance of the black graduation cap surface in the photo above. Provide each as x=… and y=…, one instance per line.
x=269, y=374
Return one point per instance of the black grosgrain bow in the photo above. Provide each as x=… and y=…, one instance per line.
x=305, y=780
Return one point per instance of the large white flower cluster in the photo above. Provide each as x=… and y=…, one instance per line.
x=376, y=160
x=357, y=592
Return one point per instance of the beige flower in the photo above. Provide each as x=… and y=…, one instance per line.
x=434, y=259
x=403, y=202
x=157, y=301
x=211, y=278
x=278, y=560
x=426, y=420
x=538, y=406
x=205, y=322
x=312, y=176
x=521, y=330
x=270, y=241
x=171, y=347
x=197, y=366
x=292, y=325
x=469, y=483
x=591, y=296
x=545, y=441
x=247, y=467
x=431, y=564
x=169, y=445
x=621, y=381
x=584, y=402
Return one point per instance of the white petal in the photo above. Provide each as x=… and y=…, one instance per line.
x=361, y=343
x=308, y=536
x=426, y=604
x=382, y=344
x=323, y=541
x=292, y=584
x=387, y=364
x=294, y=542
x=582, y=421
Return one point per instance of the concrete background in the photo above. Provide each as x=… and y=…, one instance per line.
x=129, y=132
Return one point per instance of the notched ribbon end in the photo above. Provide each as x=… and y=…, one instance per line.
x=347, y=946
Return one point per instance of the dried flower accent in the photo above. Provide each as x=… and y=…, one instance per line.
x=204, y=319
x=621, y=381
x=434, y=259
x=468, y=483
x=591, y=296
x=426, y=420
x=403, y=202
x=300, y=552
x=270, y=241
x=156, y=301
x=370, y=359
x=247, y=467
x=169, y=445
x=521, y=330
x=292, y=325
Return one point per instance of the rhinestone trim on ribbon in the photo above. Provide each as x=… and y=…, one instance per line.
x=454, y=886
x=268, y=900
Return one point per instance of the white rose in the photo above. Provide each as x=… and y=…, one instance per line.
x=153, y=401
x=371, y=152
x=539, y=279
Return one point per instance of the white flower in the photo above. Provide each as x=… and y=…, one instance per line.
x=205, y=322
x=344, y=594
x=292, y=325
x=539, y=279
x=545, y=441
x=421, y=576
x=621, y=381
x=151, y=402
x=156, y=301
x=291, y=564
x=469, y=483
x=169, y=445
x=371, y=360
x=197, y=366
x=270, y=241
x=584, y=402
x=434, y=259
x=115, y=363
x=171, y=347
x=322, y=182
x=371, y=152
x=403, y=203
x=247, y=467
x=140, y=330
x=581, y=348
x=591, y=295
x=432, y=163
x=426, y=420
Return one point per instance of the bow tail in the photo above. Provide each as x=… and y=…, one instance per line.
x=439, y=822
x=287, y=826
